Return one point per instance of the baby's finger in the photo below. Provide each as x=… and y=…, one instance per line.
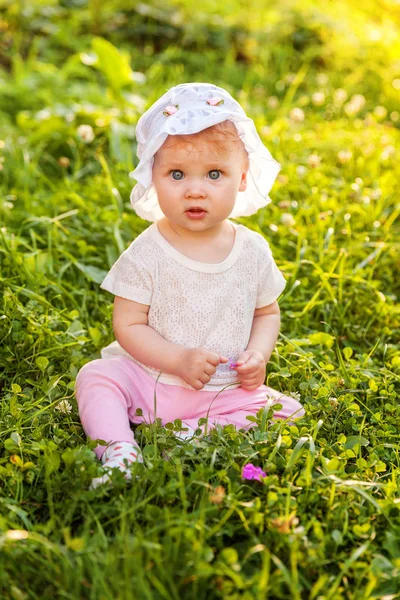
x=248, y=382
x=243, y=358
x=210, y=369
x=248, y=367
x=250, y=375
x=213, y=359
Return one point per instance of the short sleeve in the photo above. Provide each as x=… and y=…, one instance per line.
x=130, y=278
x=271, y=282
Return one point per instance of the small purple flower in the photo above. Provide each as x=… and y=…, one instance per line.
x=232, y=365
x=249, y=471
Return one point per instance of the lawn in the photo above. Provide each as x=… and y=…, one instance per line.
x=322, y=83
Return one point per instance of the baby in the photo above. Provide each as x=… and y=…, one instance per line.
x=195, y=309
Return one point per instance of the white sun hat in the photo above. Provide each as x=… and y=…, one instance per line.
x=186, y=109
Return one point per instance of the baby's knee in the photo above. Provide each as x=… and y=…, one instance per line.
x=103, y=367
x=91, y=369
x=97, y=371
x=103, y=371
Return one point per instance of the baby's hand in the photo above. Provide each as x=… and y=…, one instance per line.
x=250, y=366
x=198, y=365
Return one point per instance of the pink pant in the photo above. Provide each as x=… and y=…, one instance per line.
x=109, y=391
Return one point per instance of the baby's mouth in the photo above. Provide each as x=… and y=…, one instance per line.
x=196, y=213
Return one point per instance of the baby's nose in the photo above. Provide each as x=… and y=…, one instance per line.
x=195, y=190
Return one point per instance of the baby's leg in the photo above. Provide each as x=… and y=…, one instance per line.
x=231, y=407
x=104, y=392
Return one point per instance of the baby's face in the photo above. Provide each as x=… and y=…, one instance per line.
x=198, y=177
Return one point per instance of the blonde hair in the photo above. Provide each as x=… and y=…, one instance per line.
x=222, y=137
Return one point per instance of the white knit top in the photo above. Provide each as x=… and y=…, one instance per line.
x=194, y=303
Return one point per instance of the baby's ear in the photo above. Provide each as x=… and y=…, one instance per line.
x=243, y=182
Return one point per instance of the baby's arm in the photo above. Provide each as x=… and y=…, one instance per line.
x=130, y=323
x=264, y=333
x=196, y=366
x=265, y=329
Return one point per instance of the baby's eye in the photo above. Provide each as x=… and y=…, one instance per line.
x=177, y=175
x=214, y=174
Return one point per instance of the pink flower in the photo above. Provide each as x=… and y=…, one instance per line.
x=249, y=471
x=232, y=365
x=170, y=110
x=215, y=101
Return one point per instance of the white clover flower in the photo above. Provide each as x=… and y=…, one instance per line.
x=266, y=130
x=333, y=401
x=350, y=109
x=344, y=156
x=314, y=160
x=357, y=102
x=301, y=170
x=339, y=96
x=64, y=406
x=43, y=115
x=390, y=150
x=88, y=58
x=387, y=152
x=273, y=102
x=85, y=133
x=287, y=220
x=318, y=98
x=375, y=194
x=380, y=112
x=297, y=115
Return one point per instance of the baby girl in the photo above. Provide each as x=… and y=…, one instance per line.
x=195, y=308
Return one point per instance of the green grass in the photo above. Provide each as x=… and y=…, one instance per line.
x=325, y=523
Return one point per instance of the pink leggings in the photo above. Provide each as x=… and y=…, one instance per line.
x=109, y=391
